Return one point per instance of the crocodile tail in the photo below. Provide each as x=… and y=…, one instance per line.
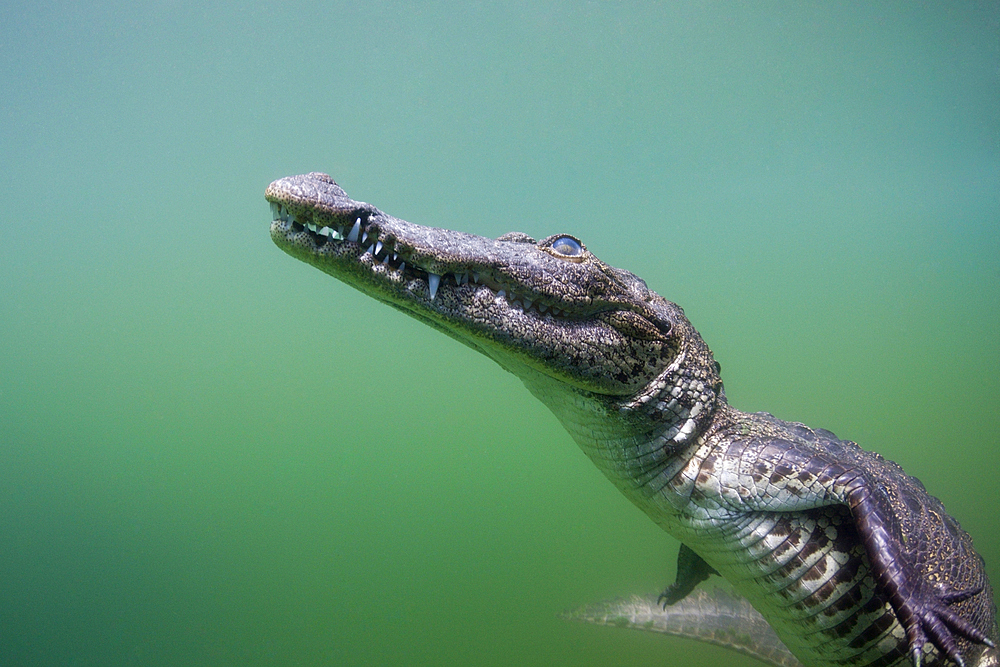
x=715, y=617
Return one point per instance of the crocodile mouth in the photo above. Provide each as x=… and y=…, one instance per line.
x=391, y=259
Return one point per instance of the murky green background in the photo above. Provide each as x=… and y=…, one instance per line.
x=211, y=454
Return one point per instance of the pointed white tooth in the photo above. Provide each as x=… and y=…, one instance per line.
x=394, y=256
x=336, y=234
x=475, y=277
x=324, y=231
x=275, y=210
x=402, y=266
x=378, y=247
x=465, y=278
x=311, y=227
x=283, y=214
x=433, y=280
x=340, y=231
x=542, y=307
x=502, y=293
x=367, y=251
x=364, y=236
x=291, y=218
x=527, y=303
x=385, y=260
x=353, y=236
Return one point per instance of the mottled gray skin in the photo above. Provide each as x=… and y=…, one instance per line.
x=846, y=557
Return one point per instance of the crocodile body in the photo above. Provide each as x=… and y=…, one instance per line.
x=848, y=559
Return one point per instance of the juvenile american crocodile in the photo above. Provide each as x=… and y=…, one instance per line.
x=847, y=558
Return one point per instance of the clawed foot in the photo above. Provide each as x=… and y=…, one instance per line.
x=691, y=570
x=671, y=595
x=926, y=616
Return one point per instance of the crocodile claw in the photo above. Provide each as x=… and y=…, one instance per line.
x=925, y=616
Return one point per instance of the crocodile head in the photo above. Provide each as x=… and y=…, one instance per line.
x=574, y=329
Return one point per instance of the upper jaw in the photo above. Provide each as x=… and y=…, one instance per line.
x=314, y=219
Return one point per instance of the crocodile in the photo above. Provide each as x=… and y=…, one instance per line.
x=847, y=558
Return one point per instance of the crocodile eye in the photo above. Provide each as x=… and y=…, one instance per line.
x=568, y=246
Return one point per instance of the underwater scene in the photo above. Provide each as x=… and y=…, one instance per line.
x=214, y=454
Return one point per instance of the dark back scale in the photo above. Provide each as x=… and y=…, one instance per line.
x=810, y=568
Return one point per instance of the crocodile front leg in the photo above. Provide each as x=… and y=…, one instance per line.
x=785, y=476
x=921, y=607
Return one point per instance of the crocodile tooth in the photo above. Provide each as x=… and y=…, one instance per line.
x=402, y=266
x=433, y=280
x=353, y=236
x=291, y=219
x=394, y=256
x=367, y=251
x=475, y=277
x=378, y=247
x=527, y=303
x=385, y=260
x=502, y=293
x=311, y=227
x=275, y=211
x=542, y=307
x=283, y=215
x=364, y=236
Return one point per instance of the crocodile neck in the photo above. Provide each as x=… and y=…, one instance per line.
x=648, y=436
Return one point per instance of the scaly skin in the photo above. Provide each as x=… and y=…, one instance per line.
x=846, y=557
x=714, y=617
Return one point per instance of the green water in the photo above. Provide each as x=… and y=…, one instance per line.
x=211, y=454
